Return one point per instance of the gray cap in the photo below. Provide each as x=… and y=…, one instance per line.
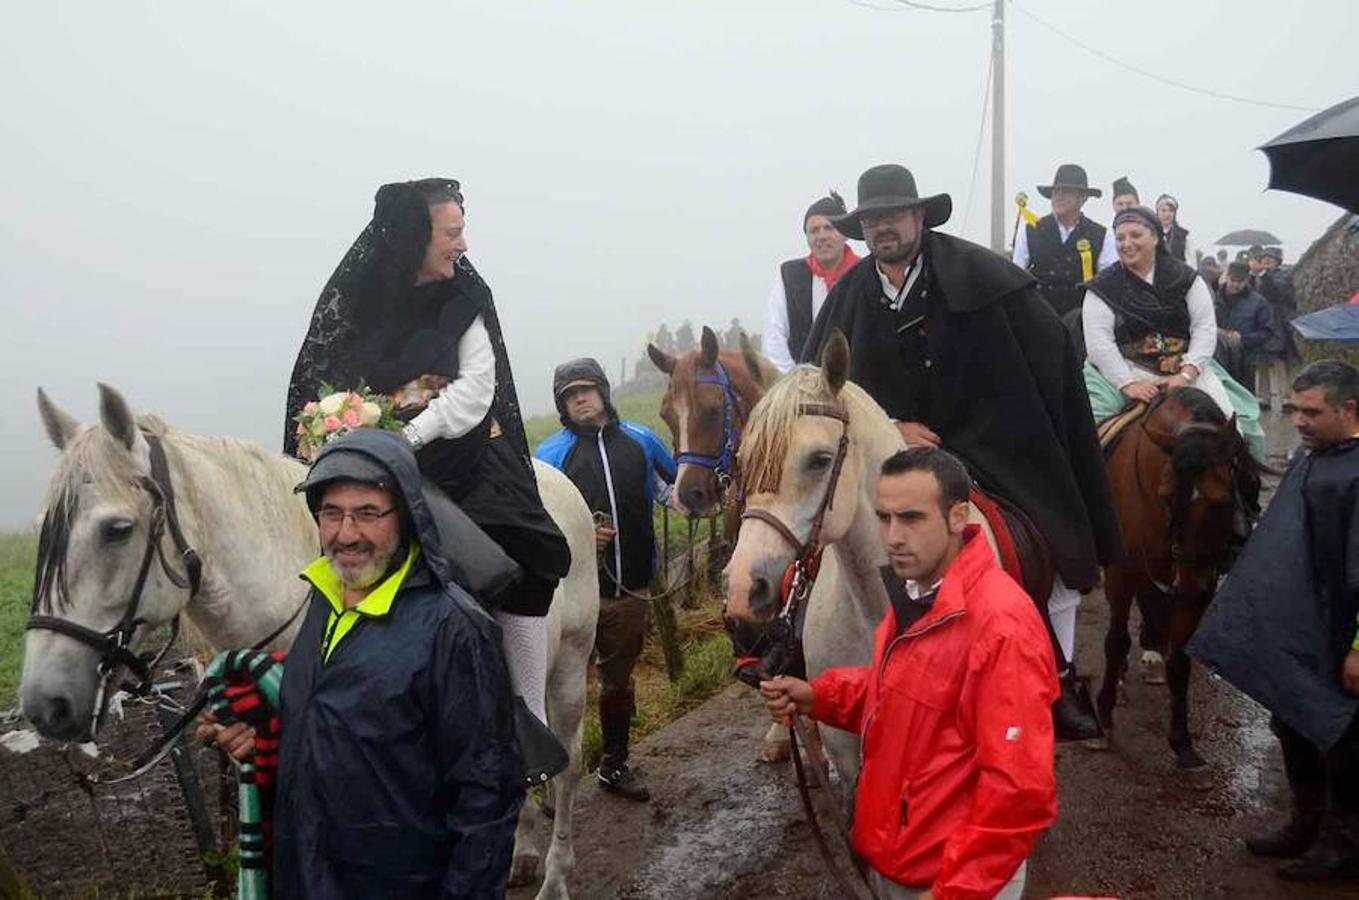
x=341, y=464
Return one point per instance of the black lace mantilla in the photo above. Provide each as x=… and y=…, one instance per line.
x=371, y=323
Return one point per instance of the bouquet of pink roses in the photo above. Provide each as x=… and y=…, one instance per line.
x=340, y=412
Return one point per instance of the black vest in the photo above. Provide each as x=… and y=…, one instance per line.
x=797, y=292
x=1177, y=242
x=1142, y=309
x=1057, y=265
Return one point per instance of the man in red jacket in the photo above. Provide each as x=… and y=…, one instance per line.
x=954, y=714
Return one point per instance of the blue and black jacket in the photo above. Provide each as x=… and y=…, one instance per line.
x=617, y=469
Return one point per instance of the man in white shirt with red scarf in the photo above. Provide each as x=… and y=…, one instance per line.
x=802, y=284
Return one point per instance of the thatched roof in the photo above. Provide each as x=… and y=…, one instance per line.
x=1328, y=274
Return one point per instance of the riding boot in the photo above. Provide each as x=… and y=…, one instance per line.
x=1073, y=714
x=1300, y=831
x=615, y=721
x=1334, y=855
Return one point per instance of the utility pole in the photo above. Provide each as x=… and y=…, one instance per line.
x=998, y=230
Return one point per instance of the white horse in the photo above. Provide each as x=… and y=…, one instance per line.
x=236, y=505
x=786, y=460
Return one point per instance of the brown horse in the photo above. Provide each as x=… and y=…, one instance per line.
x=1180, y=476
x=710, y=396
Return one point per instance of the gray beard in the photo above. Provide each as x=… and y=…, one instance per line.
x=358, y=578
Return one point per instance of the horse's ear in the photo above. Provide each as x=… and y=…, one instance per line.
x=752, y=360
x=662, y=360
x=116, y=417
x=835, y=361
x=709, y=347
x=61, y=427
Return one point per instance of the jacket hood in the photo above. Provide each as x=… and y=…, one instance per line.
x=577, y=370
x=455, y=549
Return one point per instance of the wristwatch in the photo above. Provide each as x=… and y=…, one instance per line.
x=412, y=436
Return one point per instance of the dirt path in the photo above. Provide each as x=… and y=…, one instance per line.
x=723, y=826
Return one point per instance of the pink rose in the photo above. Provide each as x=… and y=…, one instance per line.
x=311, y=408
x=352, y=419
x=355, y=401
x=331, y=423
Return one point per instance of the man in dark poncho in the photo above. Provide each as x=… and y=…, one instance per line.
x=1282, y=628
x=959, y=348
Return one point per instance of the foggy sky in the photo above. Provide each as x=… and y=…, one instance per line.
x=179, y=180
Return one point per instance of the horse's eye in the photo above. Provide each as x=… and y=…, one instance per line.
x=819, y=462
x=117, y=530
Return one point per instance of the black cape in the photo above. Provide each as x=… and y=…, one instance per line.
x=372, y=324
x=1006, y=387
x=1283, y=619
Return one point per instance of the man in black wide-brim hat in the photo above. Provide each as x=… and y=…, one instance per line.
x=961, y=350
x=1065, y=248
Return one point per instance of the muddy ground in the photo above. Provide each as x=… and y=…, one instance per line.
x=722, y=825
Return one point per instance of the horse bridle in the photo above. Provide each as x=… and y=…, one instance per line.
x=113, y=645
x=784, y=641
x=782, y=638
x=721, y=464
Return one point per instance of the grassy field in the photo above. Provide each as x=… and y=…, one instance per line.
x=17, y=551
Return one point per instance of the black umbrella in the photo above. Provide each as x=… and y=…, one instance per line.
x=1246, y=237
x=1320, y=157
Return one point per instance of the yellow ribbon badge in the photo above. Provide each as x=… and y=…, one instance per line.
x=1087, y=261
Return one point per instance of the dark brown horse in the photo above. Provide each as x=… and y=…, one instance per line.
x=710, y=396
x=1180, y=476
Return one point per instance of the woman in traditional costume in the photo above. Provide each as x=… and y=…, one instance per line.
x=407, y=314
x=1150, y=325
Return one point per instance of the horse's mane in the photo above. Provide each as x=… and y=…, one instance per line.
x=766, y=439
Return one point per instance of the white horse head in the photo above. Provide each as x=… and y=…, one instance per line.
x=99, y=527
x=787, y=461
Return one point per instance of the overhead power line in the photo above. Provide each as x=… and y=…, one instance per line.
x=976, y=157
x=908, y=5
x=1220, y=95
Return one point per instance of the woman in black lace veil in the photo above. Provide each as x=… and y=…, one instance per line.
x=407, y=314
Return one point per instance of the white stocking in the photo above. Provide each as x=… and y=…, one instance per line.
x=525, y=640
x=1062, y=613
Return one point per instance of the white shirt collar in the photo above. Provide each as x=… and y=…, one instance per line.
x=915, y=591
x=896, y=297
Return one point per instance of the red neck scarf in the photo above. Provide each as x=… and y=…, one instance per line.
x=847, y=262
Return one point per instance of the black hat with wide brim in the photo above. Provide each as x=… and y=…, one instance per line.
x=891, y=187
x=1072, y=177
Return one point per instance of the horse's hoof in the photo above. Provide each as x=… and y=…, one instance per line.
x=775, y=752
x=1153, y=667
x=524, y=869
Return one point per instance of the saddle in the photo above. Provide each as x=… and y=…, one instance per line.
x=1018, y=547
x=1112, y=428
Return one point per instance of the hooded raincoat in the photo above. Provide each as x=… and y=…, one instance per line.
x=398, y=774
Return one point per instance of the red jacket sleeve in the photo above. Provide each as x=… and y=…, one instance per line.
x=1006, y=703
x=838, y=697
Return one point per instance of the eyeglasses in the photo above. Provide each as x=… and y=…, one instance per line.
x=364, y=515
x=875, y=219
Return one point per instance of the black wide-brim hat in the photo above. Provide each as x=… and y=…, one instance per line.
x=1071, y=177
x=891, y=187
